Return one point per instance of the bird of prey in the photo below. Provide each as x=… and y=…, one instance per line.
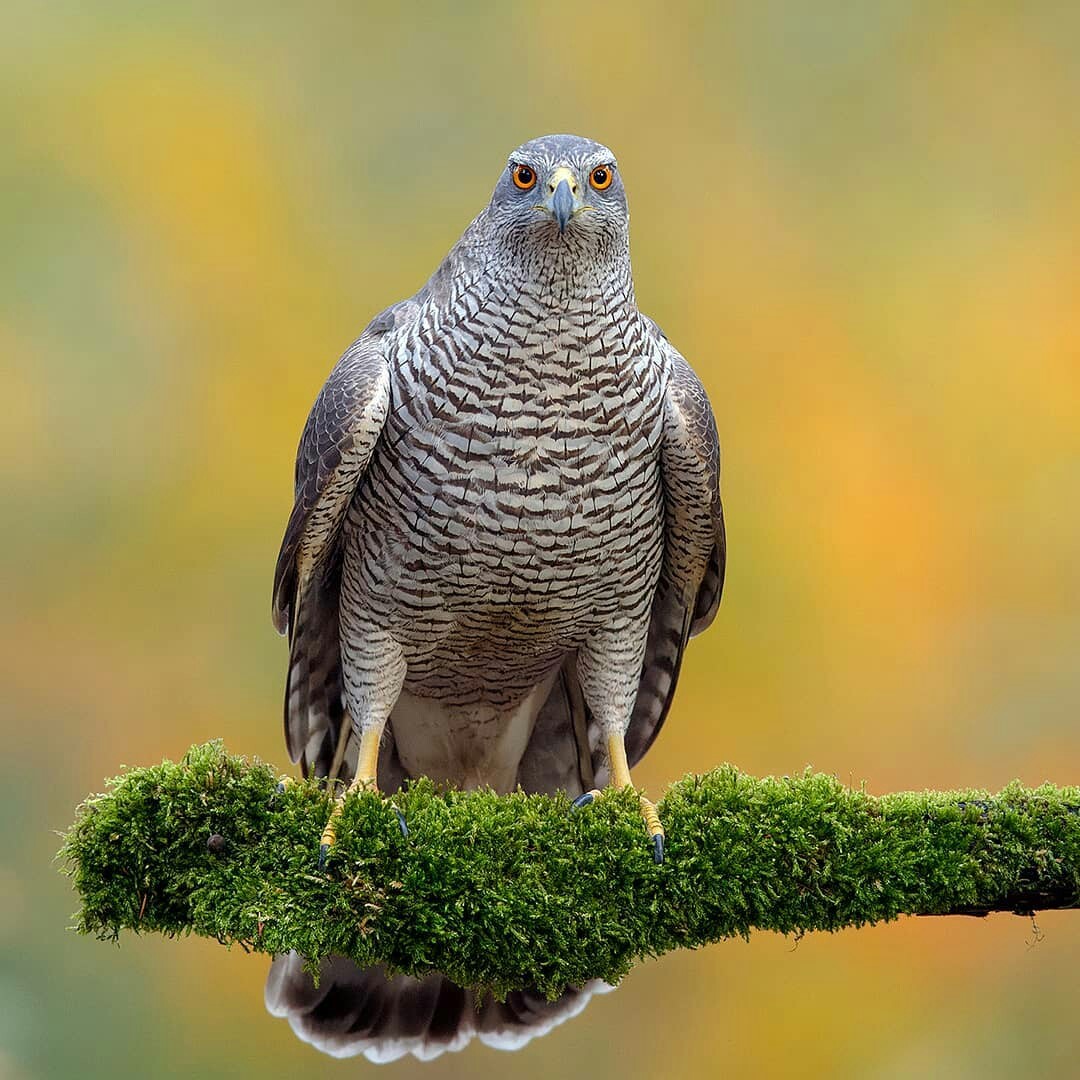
x=507, y=524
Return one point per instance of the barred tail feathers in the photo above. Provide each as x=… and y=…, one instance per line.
x=357, y=1011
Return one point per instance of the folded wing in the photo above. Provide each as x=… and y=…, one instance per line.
x=695, y=549
x=337, y=444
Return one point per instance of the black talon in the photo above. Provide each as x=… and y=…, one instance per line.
x=401, y=822
x=583, y=800
x=658, y=848
x=324, y=850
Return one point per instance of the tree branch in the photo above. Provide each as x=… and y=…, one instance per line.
x=514, y=891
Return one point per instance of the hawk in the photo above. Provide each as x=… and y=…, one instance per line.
x=507, y=525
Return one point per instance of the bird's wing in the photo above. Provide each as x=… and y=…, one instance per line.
x=335, y=449
x=695, y=550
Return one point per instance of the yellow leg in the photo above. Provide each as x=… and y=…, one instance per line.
x=620, y=778
x=620, y=770
x=366, y=768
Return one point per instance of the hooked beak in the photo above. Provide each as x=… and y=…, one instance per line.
x=563, y=199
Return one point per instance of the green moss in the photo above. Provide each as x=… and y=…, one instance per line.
x=509, y=891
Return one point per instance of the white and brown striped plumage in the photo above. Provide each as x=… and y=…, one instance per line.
x=507, y=525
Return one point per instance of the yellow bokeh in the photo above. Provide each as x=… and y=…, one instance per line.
x=858, y=223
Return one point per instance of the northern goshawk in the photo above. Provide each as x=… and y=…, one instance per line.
x=507, y=525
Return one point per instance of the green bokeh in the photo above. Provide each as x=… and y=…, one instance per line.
x=858, y=223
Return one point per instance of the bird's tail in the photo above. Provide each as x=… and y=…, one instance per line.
x=357, y=1010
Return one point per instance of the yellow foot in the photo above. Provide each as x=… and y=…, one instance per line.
x=329, y=834
x=620, y=778
x=653, y=828
x=283, y=783
x=648, y=814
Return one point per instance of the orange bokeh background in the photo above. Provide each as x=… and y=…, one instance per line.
x=859, y=224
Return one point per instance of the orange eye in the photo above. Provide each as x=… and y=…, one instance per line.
x=600, y=177
x=523, y=176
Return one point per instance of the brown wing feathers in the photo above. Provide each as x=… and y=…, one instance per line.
x=335, y=448
x=695, y=553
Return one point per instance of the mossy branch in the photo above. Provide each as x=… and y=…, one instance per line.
x=510, y=891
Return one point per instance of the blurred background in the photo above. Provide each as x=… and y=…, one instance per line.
x=860, y=224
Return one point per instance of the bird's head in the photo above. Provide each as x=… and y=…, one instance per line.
x=561, y=190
